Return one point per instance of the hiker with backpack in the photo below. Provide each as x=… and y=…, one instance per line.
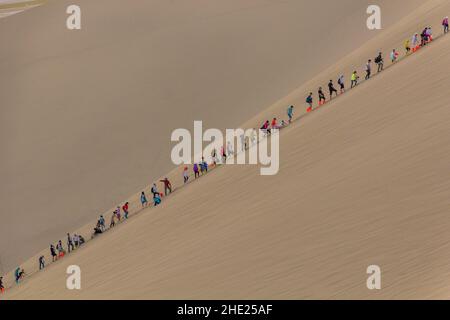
x=379, y=61
x=19, y=274
x=154, y=189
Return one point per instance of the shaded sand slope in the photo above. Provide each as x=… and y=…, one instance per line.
x=86, y=115
x=363, y=181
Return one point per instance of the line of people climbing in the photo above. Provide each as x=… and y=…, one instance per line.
x=411, y=46
x=122, y=213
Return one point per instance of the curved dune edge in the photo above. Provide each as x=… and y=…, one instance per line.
x=431, y=11
x=7, y=9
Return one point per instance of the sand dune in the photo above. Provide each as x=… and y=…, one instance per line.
x=364, y=180
x=86, y=115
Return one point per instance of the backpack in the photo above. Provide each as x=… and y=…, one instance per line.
x=378, y=59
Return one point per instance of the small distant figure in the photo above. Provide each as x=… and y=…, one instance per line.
x=167, y=186
x=341, y=83
x=154, y=189
x=19, y=274
x=53, y=253
x=97, y=231
x=426, y=36
x=354, y=79
x=202, y=167
x=368, y=69
x=274, y=124
x=213, y=157
x=125, y=210
x=253, y=137
x=322, y=98
x=309, y=101
x=156, y=199
x=102, y=222
x=118, y=214
x=445, y=25
x=332, y=89
x=243, y=144
x=205, y=166
x=407, y=46
x=185, y=175
x=70, y=246
x=2, y=287
x=196, y=171
x=60, y=248
x=394, y=55
x=223, y=154
x=81, y=240
x=266, y=127
x=379, y=61
x=144, y=201
x=41, y=262
x=113, y=220
x=230, y=150
x=290, y=113
x=429, y=34
x=415, y=42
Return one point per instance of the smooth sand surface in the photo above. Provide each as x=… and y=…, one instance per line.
x=363, y=181
x=86, y=115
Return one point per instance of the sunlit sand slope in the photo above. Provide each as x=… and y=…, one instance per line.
x=86, y=115
x=364, y=180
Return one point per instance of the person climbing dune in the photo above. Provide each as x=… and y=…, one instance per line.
x=368, y=69
x=309, y=101
x=156, y=199
x=321, y=95
x=2, y=286
x=341, y=83
x=196, y=171
x=332, y=89
x=53, y=253
x=125, y=210
x=354, y=79
x=407, y=46
x=379, y=61
x=167, y=186
x=19, y=274
x=394, y=56
x=144, y=201
x=290, y=113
